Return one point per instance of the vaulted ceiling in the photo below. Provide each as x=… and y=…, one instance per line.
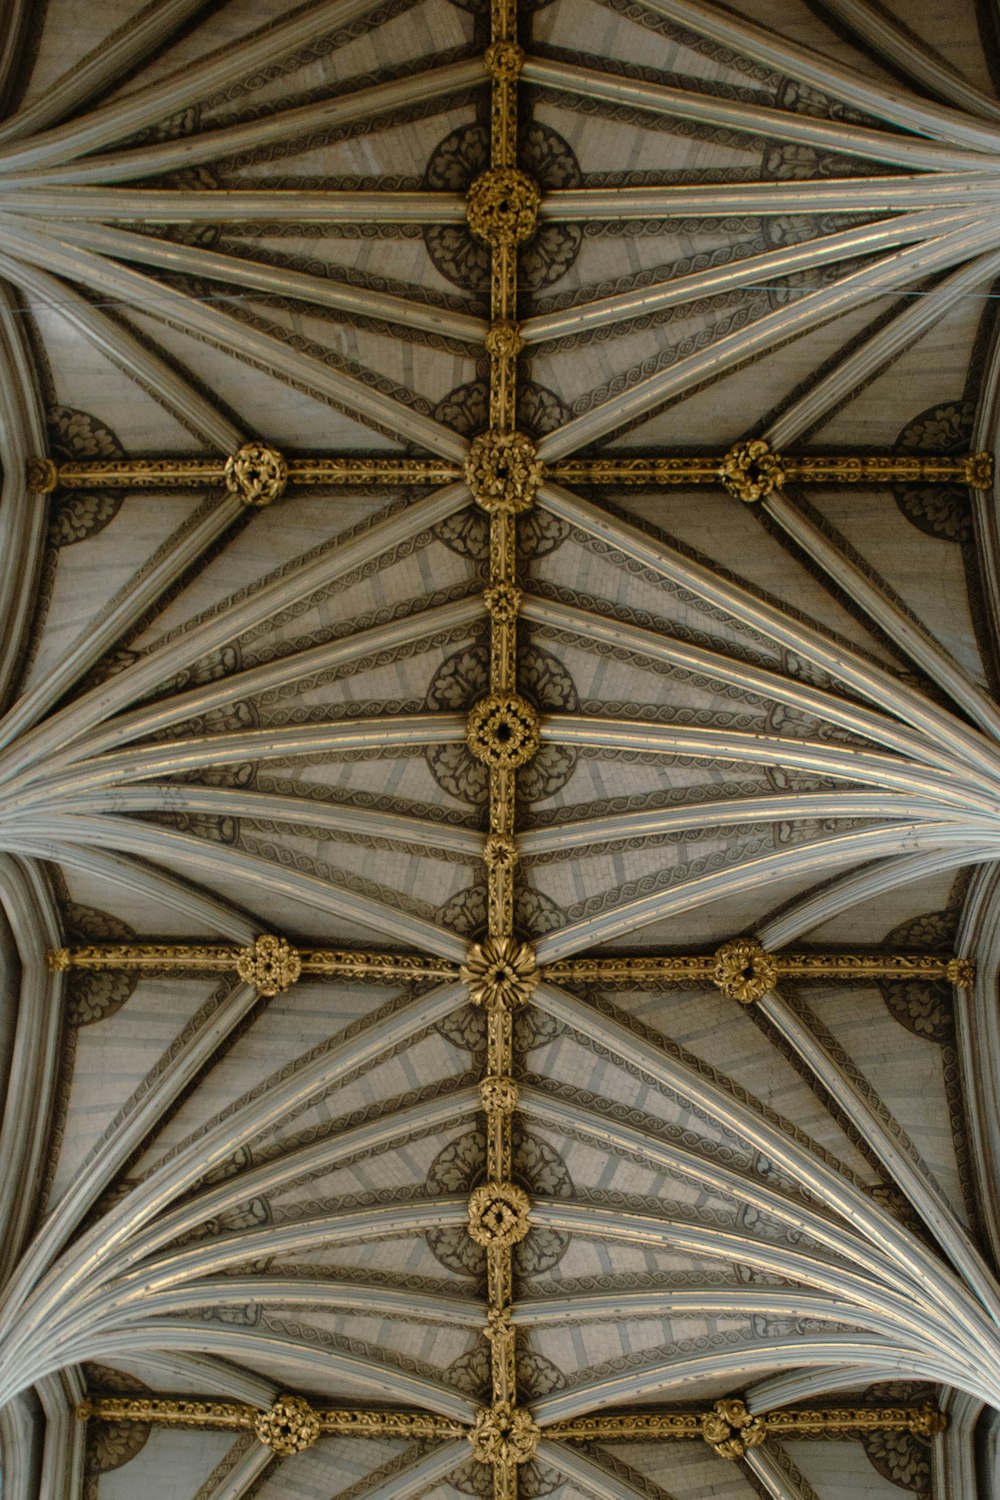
x=233, y=223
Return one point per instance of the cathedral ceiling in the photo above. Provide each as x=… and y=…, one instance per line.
x=507, y=747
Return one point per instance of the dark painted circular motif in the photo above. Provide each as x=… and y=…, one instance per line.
x=938, y=510
x=923, y=1006
x=464, y=677
x=461, y=1166
x=94, y=994
x=76, y=435
x=459, y=255
x=900, y=1457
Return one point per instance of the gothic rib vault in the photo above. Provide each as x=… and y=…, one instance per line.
x=499, y=770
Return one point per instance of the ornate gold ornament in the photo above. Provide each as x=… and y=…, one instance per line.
x=979, y=471
x=499, y=1334
x=196, y=473
x=271, y=963
x=974, y=469
x=633, y=471
x=502, y=205
x=41, y=475
x=502, y=786
x=504, y=341
x=341, y=472
x=290, y=1426
x=256, y=473
x=235, y=1416
x=498, y=1325
x=673, y=968
x=503, y=730
x=731, y=1430
x=873, y=966
x=500, y=852
x=501, y=973
x=499, y=1094
x=924, y=1421
x=501, y=1436
x=929, y=1422
x=193, y=958
x=504, y=61
x=726, y=1416
x=961, y=972
x=504, y=1434
x=751, y=472
x=503, y=601
x=221, y=1416
x=408, y=1424
x=498, y=1214
x=503, y=640
x=503, y=471
x=348, y=963
x=641, y=1426
x=500, y=857
x=141, y=473
x=744, y=970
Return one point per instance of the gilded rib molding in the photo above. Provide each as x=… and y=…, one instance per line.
x=501, y=972
x=291, y=1425
x=255, y=473
x=503, y=475
x=502, y=469
x=504, y=1434
x=270, y=963
x=745, y=970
